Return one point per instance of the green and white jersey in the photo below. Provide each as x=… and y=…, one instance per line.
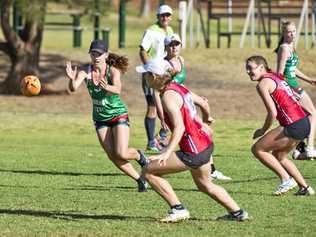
x=106, y=105
x=181, y=76
x=153, y=40
x=289, y=70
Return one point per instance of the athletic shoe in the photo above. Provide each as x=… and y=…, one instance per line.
x=299, y=152
x=285, y=186
x=310, y=153
x=305, y=191
x=175, y=215
x=240, y=216
x=219, y=176
x=154, y=146
x=163, y=141
x=142, y=184
x=143, y=161
x=296, y=155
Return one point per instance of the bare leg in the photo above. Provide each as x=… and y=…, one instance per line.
x=273, y=140
x=121, y=139
x=219, y=194
x=153, y=173
x=106, y=140
x=290, y=167
x=308, y=105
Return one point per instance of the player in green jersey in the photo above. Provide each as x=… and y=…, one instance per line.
x=287, y=61
x=110, y=115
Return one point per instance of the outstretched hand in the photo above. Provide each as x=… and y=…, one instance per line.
x=313, y=82
x=71, y=73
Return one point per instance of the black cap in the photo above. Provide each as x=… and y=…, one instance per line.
x=98, y=46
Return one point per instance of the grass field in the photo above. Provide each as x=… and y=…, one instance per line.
x=56, y=181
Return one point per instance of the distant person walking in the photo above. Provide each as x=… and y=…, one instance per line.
x=287, y=61
x=152, y=46
x=273, y=146
x=195, y=145
x=110, y=115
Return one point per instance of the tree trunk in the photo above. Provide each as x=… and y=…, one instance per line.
x=144, y=8
x=24, y=49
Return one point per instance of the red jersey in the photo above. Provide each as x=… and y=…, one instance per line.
x=288, y=108
x=194, y=139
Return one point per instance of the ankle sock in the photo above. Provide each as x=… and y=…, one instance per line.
x=178, y=207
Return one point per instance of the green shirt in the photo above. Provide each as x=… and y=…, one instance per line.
x=289, y=71
x=106, y=105
x=181, y=76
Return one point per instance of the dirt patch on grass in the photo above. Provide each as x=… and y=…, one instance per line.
x=229, y=91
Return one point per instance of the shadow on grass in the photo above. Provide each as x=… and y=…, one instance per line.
x=43, y=172
x=72, y=216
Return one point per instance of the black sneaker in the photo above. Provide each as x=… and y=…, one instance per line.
x=301, y=147
x=305, y=191
x=143, y=161
x=142, y=184
x=241, y=216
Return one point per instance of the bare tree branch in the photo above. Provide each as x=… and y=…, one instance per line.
x=9, y=34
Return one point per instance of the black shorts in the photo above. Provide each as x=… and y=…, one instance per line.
x=298, y=130
x=148, y=92
x=123, y=119
x=196, y=160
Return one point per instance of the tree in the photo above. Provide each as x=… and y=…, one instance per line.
x=23, y=49
x=144, y=8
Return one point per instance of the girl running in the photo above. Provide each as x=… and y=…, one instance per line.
x=195, y=145
x=110, y=114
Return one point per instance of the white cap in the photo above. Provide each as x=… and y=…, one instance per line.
x=171, y=38
x=163, y=9
x=158, y=66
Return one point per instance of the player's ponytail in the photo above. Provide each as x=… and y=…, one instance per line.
x=118, y=61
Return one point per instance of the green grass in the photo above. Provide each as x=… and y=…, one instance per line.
x=56, y=181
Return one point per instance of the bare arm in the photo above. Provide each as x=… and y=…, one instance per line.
x=283, y=55
x=305, y=78
x=202, y=103
x=116, y=79
x=143, y=55
x=160, y=109
x=172, y=103
x=265, y=87
x=76, y=78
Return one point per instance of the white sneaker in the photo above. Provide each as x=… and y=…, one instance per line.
x=310, y=153
x=176, y=215
x=219, y=176
x=296, y=154
x=285, y=186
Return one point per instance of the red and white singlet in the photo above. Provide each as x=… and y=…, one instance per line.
x=288, y=108
x=194, y=139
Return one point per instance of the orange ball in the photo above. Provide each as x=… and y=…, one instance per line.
x=30, y=85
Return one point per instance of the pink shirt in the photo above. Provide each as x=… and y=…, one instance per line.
x=288, y=108
x=194, y=139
